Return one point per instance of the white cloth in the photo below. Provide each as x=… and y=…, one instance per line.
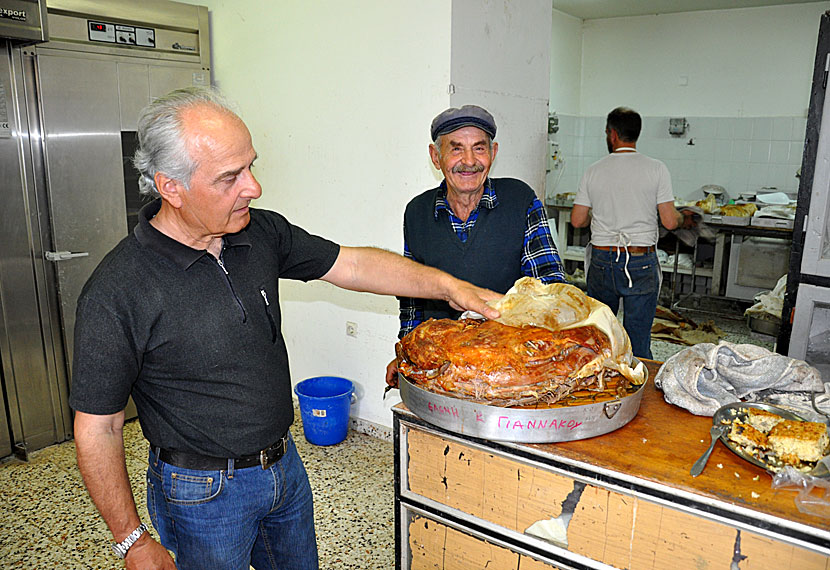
x=769, y=303
x=623, y=190
x=704, y=377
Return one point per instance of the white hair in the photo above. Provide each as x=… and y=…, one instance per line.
x=161, y=143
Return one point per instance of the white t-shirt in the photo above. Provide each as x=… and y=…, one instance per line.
x=623, y=190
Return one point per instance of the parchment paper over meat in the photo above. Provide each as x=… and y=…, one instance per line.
x=550, y=340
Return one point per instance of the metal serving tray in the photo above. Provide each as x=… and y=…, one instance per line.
x=521, y=425
x=767, y=222
x=738, y=411
x=717, y=219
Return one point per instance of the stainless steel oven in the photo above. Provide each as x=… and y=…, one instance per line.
x=73, y=76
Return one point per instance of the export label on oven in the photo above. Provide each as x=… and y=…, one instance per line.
x=18, y=15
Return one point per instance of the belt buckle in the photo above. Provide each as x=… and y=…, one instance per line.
x=269, y=456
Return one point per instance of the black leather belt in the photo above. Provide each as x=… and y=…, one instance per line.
x=264, y=458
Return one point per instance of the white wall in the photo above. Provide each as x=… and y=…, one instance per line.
x=565, y=91
x=501, y=60
x=741, y=154
x=565, y=63
x=748, y=74
x=739, y=63
x=339, y=97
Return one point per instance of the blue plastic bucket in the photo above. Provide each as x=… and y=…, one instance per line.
x=324, y=407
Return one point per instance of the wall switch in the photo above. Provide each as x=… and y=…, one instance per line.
x=351, y=328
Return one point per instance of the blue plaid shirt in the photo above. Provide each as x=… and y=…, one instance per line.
x=540, y=259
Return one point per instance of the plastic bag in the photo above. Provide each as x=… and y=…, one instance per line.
x=813, y=492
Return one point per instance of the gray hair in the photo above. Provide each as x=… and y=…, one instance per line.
x=161, y=143
x=439, y=138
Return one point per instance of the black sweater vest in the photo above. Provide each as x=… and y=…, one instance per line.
x=492, y=255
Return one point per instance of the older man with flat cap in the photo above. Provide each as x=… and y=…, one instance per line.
x=489, y=231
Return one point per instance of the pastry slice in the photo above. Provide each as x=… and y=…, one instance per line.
x=805, y=440
x=762, y=420
x=747, y=436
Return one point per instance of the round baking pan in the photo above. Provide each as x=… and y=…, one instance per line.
x=521, y=425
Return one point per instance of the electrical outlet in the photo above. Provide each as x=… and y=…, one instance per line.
x=351, y=328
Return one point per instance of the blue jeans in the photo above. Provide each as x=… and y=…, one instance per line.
x=233, y=519
x=608, y=283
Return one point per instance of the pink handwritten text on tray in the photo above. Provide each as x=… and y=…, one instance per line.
x=442, y=410
x=507, y=423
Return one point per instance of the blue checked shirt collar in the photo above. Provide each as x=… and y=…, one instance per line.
x=488, y=199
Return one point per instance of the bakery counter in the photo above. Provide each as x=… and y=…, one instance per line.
x=620, y=500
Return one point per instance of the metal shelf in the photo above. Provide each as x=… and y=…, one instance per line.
x=707, y=271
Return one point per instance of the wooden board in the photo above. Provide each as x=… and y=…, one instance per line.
x=610, y=527
x=660, y=445
x=435, y=546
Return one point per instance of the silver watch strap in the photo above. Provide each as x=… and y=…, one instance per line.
x=122, y=547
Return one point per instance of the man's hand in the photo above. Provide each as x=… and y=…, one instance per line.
x=146, y=553
x=464, y=296
x=688, y=219
x=392, y=374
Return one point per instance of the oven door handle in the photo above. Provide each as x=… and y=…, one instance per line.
x=63, y=255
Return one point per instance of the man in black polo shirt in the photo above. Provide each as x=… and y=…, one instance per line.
x=184, y=316
x=488, y=231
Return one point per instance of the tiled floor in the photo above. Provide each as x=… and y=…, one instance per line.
x=726, y=317
x=48, y=520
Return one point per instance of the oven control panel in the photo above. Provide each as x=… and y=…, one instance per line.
x=121, y=34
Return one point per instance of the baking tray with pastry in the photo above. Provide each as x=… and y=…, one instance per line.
x=773, y=438
x=725, y=214
x=731, y=214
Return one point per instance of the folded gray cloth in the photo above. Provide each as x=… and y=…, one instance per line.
x=704, y=377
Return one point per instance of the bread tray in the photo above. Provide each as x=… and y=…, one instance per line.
x=521, y=424
x=717, y=219
x=725, y=415
x=767, y=222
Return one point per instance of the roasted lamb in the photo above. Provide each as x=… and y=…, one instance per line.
x=550, y=340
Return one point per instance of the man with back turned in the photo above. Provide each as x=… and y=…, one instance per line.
x=623, y=197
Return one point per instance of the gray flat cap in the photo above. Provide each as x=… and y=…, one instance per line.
x=467, y=116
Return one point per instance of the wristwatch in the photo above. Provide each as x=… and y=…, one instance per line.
x=122, y=547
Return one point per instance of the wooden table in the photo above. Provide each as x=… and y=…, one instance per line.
x=463, y=502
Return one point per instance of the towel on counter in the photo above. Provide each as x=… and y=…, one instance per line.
x=690, y=235
x=704, y=377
